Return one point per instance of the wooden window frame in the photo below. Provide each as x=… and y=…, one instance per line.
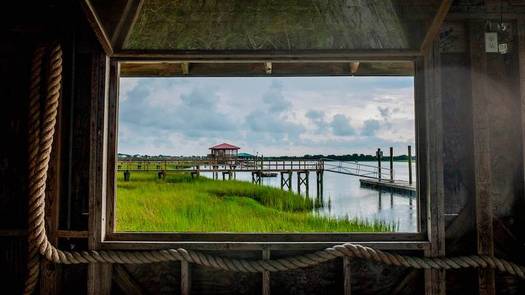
x=103, y=209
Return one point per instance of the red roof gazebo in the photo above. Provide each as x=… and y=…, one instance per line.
x=224, y=150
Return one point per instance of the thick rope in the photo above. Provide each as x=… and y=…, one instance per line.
x=40, y=151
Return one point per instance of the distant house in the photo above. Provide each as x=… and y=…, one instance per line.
x=224, y=150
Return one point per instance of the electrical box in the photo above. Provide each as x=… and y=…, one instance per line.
x=491, y=42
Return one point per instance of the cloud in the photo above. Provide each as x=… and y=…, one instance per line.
x=274, y=98
x=370, y=127
x=341, y=126
x=270, y=115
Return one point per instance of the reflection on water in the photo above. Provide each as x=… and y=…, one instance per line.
x=343, y=196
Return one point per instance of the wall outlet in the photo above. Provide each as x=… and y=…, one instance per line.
x=491, y=42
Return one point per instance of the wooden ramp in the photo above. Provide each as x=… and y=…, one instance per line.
x=399, y=186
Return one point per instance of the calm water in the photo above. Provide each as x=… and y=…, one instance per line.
x=343, y=196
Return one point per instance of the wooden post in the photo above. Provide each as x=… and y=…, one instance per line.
x=378, y=153
x=299, y=182
x=410, y=165
x=266, y=274
x=127, y=175
x=319, y=178
x=347, y=272
x=482, y=151
x=391, y=164
x=307, y=183
x=185, y=278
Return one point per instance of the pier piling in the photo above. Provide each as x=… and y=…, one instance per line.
x=286, y=180
x=391, y=164
x=410, y=165
x=303, y=179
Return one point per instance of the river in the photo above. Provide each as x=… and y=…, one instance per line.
x=344, y=197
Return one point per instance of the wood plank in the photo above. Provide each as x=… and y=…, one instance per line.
x=124, y=280
x=97, y=27
x=266, y=290
x=99, y=275
x=347, y=273
x=112, y=133
x=262, y=56
x=434, y=280
x=521, y=56
x=251, y=246
x=482, y=162
x=13, y=232
x=182, y=238
x=185, y=278
x=125, y=25
x=73, y=234
x=437, y=22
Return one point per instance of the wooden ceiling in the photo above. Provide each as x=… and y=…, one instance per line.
x=334, y=31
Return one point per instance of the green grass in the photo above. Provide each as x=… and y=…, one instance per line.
x=182, y=204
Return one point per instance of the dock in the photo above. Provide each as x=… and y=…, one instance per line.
x=399, y=186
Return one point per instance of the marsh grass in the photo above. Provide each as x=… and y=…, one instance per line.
x=182, y=204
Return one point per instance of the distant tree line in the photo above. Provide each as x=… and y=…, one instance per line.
x=348, y=157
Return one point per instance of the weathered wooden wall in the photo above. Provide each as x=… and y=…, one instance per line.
x=503, y=141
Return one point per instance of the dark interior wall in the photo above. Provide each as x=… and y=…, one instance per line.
x=65, y=21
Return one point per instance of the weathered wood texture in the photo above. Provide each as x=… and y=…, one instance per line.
x=457, y=152
x=286, y=25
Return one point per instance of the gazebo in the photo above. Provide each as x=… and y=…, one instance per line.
x=224, y=150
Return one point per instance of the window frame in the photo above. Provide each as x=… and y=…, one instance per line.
x=109, y=239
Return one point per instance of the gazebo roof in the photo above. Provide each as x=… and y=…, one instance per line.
x=224, y=146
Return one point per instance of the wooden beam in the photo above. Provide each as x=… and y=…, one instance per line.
x=482, y=161
x=263, y=56
x=435, y=26
x=521, y=56
x=125, y=25
x=73, y=234
x=124, y=280
x=99, y=274
x=347, y=272
x=434, y=280
x=185, y=278
x=266, y=274
x=97, y=27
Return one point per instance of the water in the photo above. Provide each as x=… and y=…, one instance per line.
x=343, y=196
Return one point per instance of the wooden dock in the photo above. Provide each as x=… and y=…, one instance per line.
x=400, y=186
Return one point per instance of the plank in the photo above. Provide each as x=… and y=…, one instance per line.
x=185, y=278
x=99, y=275
x=125, y=281
x=482, y=162
x=266, y=274
x=127, y=20
x=437, y=22
x=97, y=27
x=347, y=272
x=434, y=280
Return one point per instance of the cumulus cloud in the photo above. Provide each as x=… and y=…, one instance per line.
x=370, y=127
x=341, y=126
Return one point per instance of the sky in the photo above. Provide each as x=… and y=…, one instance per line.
x=269, y=116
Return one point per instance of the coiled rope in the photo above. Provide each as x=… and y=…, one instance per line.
x=41, y=132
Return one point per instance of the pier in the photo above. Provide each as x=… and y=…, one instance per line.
x=371, y=176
